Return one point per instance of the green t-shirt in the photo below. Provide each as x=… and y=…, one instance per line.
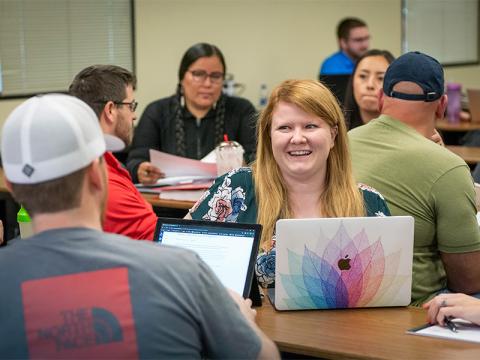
x=417, y=177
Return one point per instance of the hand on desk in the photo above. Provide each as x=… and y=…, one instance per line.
x=465, y=116
x=453, y=305
x=148, y=173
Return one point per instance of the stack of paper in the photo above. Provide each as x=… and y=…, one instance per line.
x=181, y=169
x=185, y=179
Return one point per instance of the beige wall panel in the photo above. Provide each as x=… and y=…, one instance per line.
x=264, y=41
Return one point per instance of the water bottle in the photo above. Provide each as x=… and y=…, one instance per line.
x=263, y=98
x=454, y=106
x=229, y=85
x=24, y=223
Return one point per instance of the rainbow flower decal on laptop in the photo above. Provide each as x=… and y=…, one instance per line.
x=349, y=272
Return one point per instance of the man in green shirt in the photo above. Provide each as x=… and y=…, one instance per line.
x=418, y=177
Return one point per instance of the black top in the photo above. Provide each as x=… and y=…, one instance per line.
x=156, y=130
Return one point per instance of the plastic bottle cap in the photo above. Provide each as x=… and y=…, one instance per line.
x=22, y=215
x=454, y=86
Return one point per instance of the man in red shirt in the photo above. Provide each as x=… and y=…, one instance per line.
x=108, y=89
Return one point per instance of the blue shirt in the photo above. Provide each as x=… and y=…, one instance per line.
x=337, y=64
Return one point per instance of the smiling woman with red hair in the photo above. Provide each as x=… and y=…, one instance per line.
x=302, y=170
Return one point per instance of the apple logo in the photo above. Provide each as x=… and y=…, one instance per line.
x=344, y=264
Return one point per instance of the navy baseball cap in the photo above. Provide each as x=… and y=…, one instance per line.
x=419, y=68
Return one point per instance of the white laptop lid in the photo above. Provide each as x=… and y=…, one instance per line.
x=331, y=263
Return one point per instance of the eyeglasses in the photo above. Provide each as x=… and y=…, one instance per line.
x=132, y=105
x=201, y=76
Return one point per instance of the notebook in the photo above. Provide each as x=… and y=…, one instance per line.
x=474, y=103
x=332, y=263
x=230, y=249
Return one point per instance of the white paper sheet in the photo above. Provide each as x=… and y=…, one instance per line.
x=173, y=166
x=211, y=157
x=466, y=331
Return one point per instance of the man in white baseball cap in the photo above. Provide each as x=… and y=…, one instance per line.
x=72, y=291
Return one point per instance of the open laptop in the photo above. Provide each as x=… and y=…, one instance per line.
x=230, y=249
x=474, y=103
x=332, y=263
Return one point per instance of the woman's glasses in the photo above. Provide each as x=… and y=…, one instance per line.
x=202, y=75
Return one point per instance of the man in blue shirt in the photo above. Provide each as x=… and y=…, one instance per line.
x=353, y=41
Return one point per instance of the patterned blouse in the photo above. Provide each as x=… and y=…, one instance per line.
x=231, y=198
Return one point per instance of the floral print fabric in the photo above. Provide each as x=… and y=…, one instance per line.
x=232, y=199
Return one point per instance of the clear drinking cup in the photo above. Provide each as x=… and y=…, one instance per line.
x=229, y=156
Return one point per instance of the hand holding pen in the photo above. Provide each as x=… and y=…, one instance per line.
x=450, y=324
x=444, y=307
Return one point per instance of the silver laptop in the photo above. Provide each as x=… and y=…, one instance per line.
x=474, y=103
x=332, y=263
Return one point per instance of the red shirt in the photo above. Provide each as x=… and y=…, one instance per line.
x=128, y=213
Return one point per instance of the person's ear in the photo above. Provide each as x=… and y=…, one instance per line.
x=333, y=133
x=8, y=184
x=108, y=117
x=381, y=99
x=95, y=175
x=441, y=107
x=343, y=44
x=109, y=111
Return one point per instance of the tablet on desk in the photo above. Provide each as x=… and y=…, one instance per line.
x=230, y=249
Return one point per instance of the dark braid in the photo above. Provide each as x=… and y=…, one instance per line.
x=179, y=123
x=220, y=120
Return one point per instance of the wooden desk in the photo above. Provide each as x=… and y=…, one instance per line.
x=164, y=203
x=358, y=334
x=444, y=125
x=471, y=155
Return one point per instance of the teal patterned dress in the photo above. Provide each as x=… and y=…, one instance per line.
x=231, y=198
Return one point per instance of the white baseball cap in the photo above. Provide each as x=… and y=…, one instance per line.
x=50, y=136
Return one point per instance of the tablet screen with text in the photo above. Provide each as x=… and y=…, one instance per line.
x=229, y=249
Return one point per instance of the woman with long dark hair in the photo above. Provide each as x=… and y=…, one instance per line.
x=193, y=121
x=361, y=98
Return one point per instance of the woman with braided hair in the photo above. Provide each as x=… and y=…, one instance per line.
x=192, y=121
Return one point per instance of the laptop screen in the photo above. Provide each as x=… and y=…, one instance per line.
x=229, y=249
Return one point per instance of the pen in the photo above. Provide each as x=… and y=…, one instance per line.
x=450, y=324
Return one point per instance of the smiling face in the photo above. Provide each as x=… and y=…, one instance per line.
x=367, y=82
x=200, y=95
x=301, y=143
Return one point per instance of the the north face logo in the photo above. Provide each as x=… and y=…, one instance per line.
x=83, y=328
x=89, y=316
